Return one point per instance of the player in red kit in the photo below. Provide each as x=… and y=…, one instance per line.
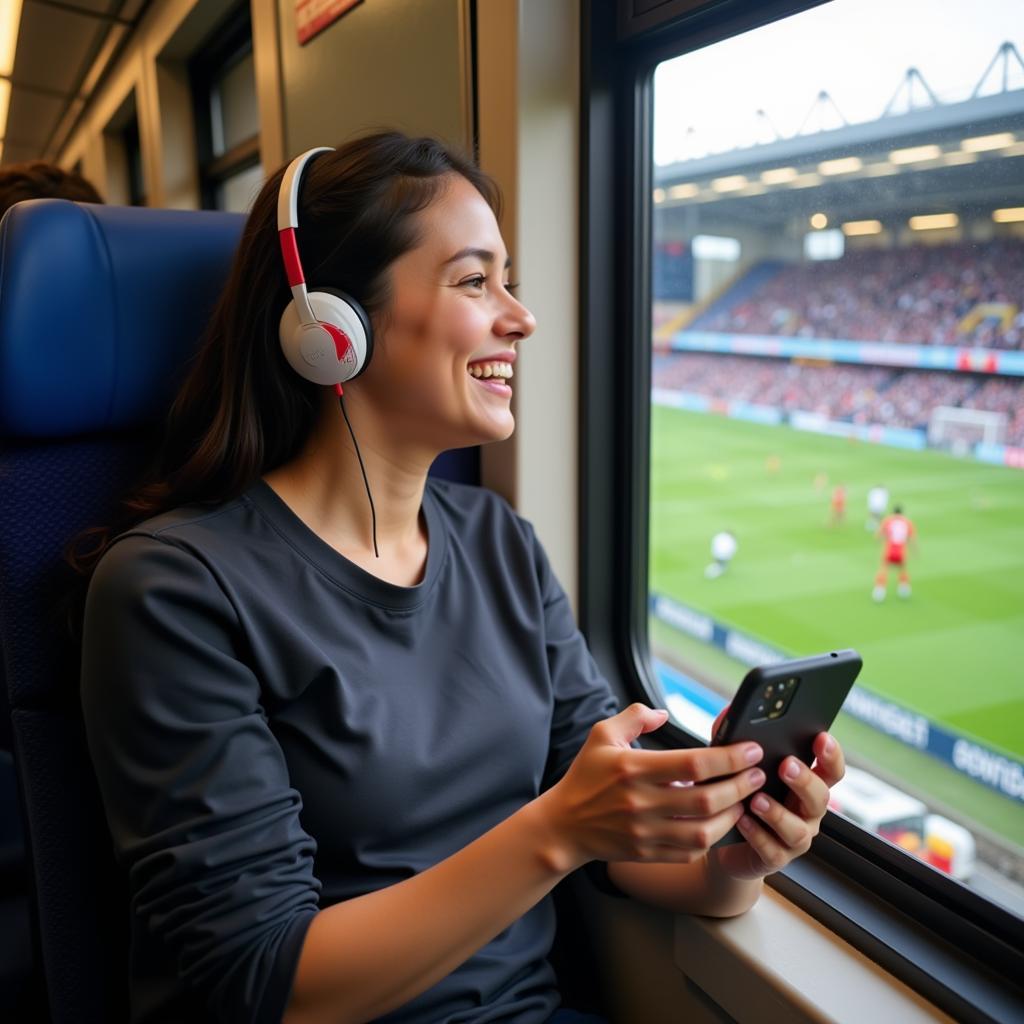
x=838, y=504
x=898, y=532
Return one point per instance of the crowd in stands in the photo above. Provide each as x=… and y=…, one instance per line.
x=858, y=394
x=1000, y=394
x=834, y=391
x=909, y=399
x=921, y=295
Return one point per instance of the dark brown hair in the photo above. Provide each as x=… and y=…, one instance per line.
x=242, y=410
x=39, y=180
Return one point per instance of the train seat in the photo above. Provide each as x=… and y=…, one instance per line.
x=100, y=308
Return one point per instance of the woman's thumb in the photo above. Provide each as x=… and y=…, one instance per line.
x=636, y=720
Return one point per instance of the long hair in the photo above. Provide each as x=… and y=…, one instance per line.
x=241, y=410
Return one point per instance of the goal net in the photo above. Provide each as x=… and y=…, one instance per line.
x=959, y=430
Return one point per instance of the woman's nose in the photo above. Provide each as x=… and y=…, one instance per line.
x=516, y=321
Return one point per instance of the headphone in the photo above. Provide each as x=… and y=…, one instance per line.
x=325, y=335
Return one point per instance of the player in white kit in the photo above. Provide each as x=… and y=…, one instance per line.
x=723, y=547
x=878, y=503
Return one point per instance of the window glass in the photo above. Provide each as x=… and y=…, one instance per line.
x=122, y=151
x=234, y=114
x=237, y=192
x=838, y=383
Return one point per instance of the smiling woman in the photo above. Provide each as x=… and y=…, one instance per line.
x=296, y=740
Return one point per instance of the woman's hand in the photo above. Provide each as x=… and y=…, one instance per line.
x=777, y=833
x=619, y=803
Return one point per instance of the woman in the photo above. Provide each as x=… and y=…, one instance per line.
x=347, y=749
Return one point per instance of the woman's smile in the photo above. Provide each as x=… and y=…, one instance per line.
x=493, y=373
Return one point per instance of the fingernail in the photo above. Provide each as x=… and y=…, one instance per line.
x=830, y=745
x=760, y=803
x=752, y=754
x=791, y=769
x=756, y=777
x=744, y=824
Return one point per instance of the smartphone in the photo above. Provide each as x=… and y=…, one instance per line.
x=783, y=707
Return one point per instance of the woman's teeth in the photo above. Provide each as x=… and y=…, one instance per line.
x=484, y=370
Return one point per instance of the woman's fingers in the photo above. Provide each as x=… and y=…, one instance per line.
x=808, y=786
x=830, y=764
x=696, y=835
x=697, y=764
x=718, y=720
x=711, y=797
x=795, y=832
x=773, y=854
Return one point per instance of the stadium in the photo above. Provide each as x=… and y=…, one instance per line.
x=835, y=311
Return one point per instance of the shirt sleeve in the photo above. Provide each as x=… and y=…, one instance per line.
x=582, y=696
x=194, y=784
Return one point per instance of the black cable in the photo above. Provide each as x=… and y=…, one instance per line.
x=366, y=483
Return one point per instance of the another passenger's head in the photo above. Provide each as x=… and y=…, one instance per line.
x=38, y=179
x=407, y=227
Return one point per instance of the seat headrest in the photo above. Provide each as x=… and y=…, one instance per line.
x=100, y=308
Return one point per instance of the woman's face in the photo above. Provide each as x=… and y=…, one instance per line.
x=441, y=372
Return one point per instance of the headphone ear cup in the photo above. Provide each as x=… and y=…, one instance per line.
x=335, y=349
x=348, y=317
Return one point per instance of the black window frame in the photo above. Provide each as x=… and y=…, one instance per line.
x=961, y=952
x=132, y=143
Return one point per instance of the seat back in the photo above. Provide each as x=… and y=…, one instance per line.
x=100, y=309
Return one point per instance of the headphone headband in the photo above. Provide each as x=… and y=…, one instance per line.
x=287, y=222
x=288, y=196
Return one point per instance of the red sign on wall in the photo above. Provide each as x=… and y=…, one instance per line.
x=313, y=16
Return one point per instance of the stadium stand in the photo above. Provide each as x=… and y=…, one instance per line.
x=998, y=394
x=857, y=394
x=908, y=400
x=964, y=294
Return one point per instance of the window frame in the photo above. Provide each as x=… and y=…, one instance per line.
x=895, y=909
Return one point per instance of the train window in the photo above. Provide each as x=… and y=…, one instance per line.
x=751, y=424
x=234, y=117
x=837, y=422
x=227, y=116
x=125, y=184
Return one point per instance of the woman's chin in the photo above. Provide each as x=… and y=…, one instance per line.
x=489, y=430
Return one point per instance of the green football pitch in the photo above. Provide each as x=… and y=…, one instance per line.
x=953, y=652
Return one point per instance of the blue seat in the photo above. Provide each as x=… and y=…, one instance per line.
x=100, y=310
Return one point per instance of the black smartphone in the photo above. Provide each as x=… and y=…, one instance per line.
x=783, y=707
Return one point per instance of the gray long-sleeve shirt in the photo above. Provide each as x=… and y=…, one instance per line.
x=275, y=730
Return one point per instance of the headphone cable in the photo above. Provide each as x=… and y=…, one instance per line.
x=366, y=483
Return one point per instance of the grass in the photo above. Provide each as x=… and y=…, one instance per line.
x=954, y=651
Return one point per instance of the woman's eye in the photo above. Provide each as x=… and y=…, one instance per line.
x=477, y=281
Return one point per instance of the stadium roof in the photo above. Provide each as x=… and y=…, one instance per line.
x=925, y=160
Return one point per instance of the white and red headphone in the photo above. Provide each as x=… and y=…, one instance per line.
x=325, y=335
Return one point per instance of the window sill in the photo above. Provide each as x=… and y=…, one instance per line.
x=776, y=963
